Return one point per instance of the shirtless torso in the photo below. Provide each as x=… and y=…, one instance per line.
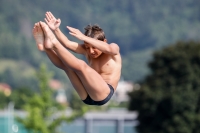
x=94, y=82
x=108, y=66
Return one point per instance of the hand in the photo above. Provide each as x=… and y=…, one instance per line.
x=76, y=33
x=52, y=22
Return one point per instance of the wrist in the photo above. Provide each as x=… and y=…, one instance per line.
x=57, y=29
x=85, y=38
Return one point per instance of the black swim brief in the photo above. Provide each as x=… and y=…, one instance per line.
x=89, y=100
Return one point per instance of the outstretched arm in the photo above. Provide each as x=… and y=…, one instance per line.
x=103, y=46
x=54, y=24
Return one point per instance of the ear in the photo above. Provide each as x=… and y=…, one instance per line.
x=105, y=40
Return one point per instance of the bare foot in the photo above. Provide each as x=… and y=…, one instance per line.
x=50, y=38
x=39, y=36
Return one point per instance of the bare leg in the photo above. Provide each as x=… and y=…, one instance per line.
x=71, y=74
x=41, y=40
x=92, y=82
x=39, y=36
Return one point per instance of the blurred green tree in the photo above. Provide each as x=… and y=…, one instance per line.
x=4, y=100
x=169, y=98
x=44, y=114
x=18, y=96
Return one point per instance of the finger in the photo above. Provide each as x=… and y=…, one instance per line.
x=71, y=29
x=71, y=33
x=58, y=20
x=51, y=15
x=46, y=20
x=48, y=16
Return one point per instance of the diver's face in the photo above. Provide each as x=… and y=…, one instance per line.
x=92, y=51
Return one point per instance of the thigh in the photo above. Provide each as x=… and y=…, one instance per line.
x=77, y=84
x=93, y=83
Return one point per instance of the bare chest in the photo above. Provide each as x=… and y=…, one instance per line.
x=102, y=64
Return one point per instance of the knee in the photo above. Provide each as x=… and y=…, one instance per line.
x=82, y=66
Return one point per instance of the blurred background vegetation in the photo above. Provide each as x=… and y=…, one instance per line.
x=169, y=98
x=139, y=27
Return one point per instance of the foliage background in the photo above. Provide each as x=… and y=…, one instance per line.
x=169, y=98
x=138, y=27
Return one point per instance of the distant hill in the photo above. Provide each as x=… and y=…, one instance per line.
x=139, y=27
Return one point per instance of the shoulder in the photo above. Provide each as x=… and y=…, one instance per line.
x=114, y=45
x=114, y=48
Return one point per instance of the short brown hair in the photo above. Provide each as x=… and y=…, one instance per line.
x=94, y=31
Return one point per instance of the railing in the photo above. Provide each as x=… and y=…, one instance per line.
x=91, y=122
